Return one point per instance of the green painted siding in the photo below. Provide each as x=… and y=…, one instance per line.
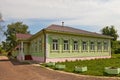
x=76, y=54
x=61, y=53
x=37, y=46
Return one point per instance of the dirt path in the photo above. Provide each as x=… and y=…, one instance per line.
x=13, y=70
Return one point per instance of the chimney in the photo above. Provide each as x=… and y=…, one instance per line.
x=62, y=23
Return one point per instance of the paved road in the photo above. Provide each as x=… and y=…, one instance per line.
x=13, y=70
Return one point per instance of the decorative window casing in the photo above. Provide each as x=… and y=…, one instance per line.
x=32, y=47
x=65, y=45
x=40, y=45
x=75, y=45
x=35, y=46
x=99, y=46
x=92, y=46
x=55, y=44
x=84, y=46
x=105, y=46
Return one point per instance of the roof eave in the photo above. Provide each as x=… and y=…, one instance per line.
x=35, y=35
x=107, y=37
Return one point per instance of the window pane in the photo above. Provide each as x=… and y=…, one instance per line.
x=40, y=45
x=99, y=46
x=84, y=45
x=75, y=45
x=92, y=46
x=55, y=44
x=66, y=46
x=105, y=46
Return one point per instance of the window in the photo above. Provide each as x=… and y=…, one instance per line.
x=92, y=46
x=84, y=45
x=66, y=46
x=75, y=45
x=105, y=46
x=32, y=47
x=40, y=45
x=36, y=46
x=99, y=46
x=55, y=44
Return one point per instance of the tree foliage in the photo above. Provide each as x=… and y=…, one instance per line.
x=12, y=30
x=110, y=31
x=116, y=47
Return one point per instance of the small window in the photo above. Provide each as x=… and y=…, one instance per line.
x=55, y=44
x=36, y=46
x=66, y=45
x=105, y=46
x=99, y=46
x=92, y=46
x=84, y=46
x=40, y=45
x=75, y=45
x=32, y=47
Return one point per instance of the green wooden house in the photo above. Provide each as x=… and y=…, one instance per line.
x=60, y=43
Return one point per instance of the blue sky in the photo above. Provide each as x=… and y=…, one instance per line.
x=36, y=25
x=90, y=15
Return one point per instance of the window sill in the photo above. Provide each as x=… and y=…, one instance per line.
x=105, y=51
x=54, y=50
x=66, y=50
x=84, y=50
x=92, y=50
x=99, y=50
x=75, y=50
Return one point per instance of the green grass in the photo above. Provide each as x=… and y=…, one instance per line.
x=3, y=54
x=95, y=67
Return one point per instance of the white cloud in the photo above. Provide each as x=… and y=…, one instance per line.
x=80, y=12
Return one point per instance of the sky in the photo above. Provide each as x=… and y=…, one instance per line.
x=90, y=15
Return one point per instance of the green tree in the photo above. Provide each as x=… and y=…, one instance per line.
x=110, y=31
x=12, y=30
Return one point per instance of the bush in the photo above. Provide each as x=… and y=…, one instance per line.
x=116, y=47
x=117, y=51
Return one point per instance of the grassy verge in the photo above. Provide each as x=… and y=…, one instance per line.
x=95, y=67
x=3, y=54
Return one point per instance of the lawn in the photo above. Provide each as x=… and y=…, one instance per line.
x=95, y=67
x=3, y=54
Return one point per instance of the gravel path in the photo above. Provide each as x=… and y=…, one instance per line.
x=13, y=70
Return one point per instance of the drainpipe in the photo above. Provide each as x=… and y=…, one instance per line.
x=44, y=45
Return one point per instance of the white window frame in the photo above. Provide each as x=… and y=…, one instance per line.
x=55, y=44
x=105, y=46
x=84, y=46
x=36, y=48
x=92, y=46
x=75, y=45
x=40, y=45
x=99, y=46
x=65, y=45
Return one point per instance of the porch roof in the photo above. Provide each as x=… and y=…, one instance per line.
x=20, y=36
